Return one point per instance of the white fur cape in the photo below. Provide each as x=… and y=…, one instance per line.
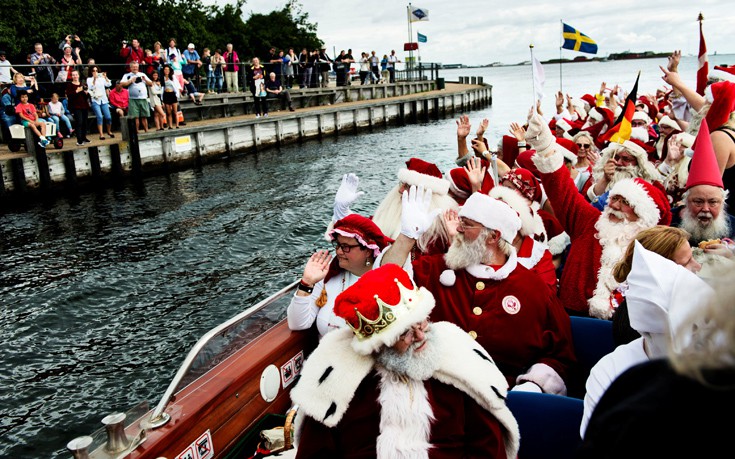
x=334, y=370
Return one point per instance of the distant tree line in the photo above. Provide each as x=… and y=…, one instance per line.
x=102, y=25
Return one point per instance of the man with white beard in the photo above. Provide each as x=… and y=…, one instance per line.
x=704, y=214
x=599, y=238
x=617, y=162
x=394, y=385
x=480, y=287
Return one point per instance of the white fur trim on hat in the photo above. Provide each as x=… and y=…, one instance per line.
x=435, y=184
x=639, y=133
x=493, y=214
x=562, y=123
x=643, y=205
x=666, y=121
x=545, y=377
x=639, y=115
x=595, y=115
x=686, y=139
x=531, y=222
x=637, y=151
x=720, y=75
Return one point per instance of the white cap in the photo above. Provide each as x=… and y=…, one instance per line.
x=191, y=46
x=493, y=214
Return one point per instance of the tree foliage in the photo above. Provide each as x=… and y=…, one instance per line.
x=103, y=24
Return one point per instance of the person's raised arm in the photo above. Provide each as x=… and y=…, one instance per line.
x=695, y=100
x=463, y=130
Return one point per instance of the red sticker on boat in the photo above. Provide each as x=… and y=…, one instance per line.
x=201, y=448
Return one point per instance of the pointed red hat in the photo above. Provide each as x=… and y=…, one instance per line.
x=704, y=169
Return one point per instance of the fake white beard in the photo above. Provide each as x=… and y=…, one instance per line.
x=617, y=234
x=388, y=214
x=462, y=254
x=415, y=365
x=717, y=229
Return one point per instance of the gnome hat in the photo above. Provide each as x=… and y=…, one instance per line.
x=364, y=230
x=493, y=214
x=647, y=200
x=661, y=293
x=420, y=172
x=382, y=305
x=704, y=169
x=723, y=103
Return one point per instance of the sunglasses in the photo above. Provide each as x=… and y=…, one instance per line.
x=584, y=145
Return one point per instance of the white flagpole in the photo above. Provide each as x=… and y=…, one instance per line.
x=410, y=35
x=533, y=76
x=561, y=86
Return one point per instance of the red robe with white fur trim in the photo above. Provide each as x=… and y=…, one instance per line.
x=461, y=428
x=536, y=256
x=521, y=325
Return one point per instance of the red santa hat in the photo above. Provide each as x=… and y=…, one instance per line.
x=704, y=169
x=460, y=186
x=600, y=114
x=531, y=222
x=364, y=230
x=420, y=172
x=666, y=121
x=722, y=73
x=641, y=116
x=382, y=305
x=525, y=182
x=590, y=99
x=492, y=214
x=564, y=124
x=650, y=107
x=648, y=201
x=525, y=161
x=722, y=96
x=509, y=146
x=569, y=149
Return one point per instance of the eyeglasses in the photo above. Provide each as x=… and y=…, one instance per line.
x=712, y=203
x=620, y=199
x=625, y=159
x=638, y=123
x=584, y=145
x=345, y=248
x=463, y=224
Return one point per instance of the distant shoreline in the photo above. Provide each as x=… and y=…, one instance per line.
x=612, y=57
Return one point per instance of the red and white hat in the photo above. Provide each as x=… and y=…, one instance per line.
x=704, y=170
x=722, y=73
x=460, y=186
x=420, y=172
x=525, y=182
x=492, y=214
x=531, y=222
x=382, y=305
x=722, y=96
x=569, y=149
x=648, y=201
x=364, y=230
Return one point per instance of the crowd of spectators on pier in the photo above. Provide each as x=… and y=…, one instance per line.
x=189, y=75
x=613, y=209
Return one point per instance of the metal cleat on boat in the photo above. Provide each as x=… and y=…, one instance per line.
x=79, y=447
x=117, y=441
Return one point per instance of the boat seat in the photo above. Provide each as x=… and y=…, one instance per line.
x=592, y=339
x=549, y=424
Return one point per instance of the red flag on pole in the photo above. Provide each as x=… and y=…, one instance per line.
x=703, y=69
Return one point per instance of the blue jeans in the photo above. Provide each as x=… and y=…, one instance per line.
x=210, y=80
x=217, y=81
x=57, y=121
x=102, y=111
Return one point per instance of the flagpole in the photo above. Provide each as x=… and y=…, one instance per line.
x=410, y=35
x=561, y=85
x=533, y=79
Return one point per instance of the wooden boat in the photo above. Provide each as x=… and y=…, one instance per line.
x=233, y=383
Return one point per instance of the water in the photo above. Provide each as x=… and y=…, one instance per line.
x=104, y=293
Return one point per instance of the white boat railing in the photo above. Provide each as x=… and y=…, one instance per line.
x=159, y=417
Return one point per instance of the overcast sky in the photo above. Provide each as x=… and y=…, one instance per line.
x=476, y=32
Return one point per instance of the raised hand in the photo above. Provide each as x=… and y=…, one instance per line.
x=482, y=127
x=517, y=131
x=346, y=195
x=416, y=213
x=676, y=150
x=673, y=61
x=463, y=126
x=317, y=267
x=475, y=172
x=451, y=222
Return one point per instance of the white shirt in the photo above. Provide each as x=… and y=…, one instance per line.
x=392, y=59
x=137, y=90
x=303, y=311
x=605, y=371
x=98, y=89
x=5, y=72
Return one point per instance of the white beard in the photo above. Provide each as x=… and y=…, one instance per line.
x=388, y=214
x=462, y=254
x=717, y=229
x=415, y=365
x=614, y=239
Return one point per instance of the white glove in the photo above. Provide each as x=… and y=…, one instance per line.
x=527, y=386
x=416, y=213
x=346, y=195
x=538, y=134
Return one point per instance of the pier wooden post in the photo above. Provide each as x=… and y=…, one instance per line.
x=134, y=148
x=116, y=161
x=70, y=169
x=426, y=110
x=19, y=175
x=94, y=165
x=414, y=111
x=402, y=113
x=44, y=176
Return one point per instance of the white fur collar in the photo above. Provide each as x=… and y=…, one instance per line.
x=486, y=272
x=599, y=304
x=537, y=252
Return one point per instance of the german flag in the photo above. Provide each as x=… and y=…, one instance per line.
x=620, y=132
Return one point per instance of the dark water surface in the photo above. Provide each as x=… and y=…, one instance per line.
x=103, y=294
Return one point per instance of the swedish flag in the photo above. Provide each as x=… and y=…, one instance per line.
x=577, y=41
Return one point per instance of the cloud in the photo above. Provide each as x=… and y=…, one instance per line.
x=476, y=32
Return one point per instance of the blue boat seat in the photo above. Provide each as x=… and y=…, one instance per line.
x=592, y=339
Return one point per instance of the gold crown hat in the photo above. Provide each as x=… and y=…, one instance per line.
x=381, y=306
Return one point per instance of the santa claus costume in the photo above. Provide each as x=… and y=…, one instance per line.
x=353, y=405
x=597, y=243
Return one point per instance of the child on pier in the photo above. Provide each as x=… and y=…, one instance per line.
x=29, y=118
